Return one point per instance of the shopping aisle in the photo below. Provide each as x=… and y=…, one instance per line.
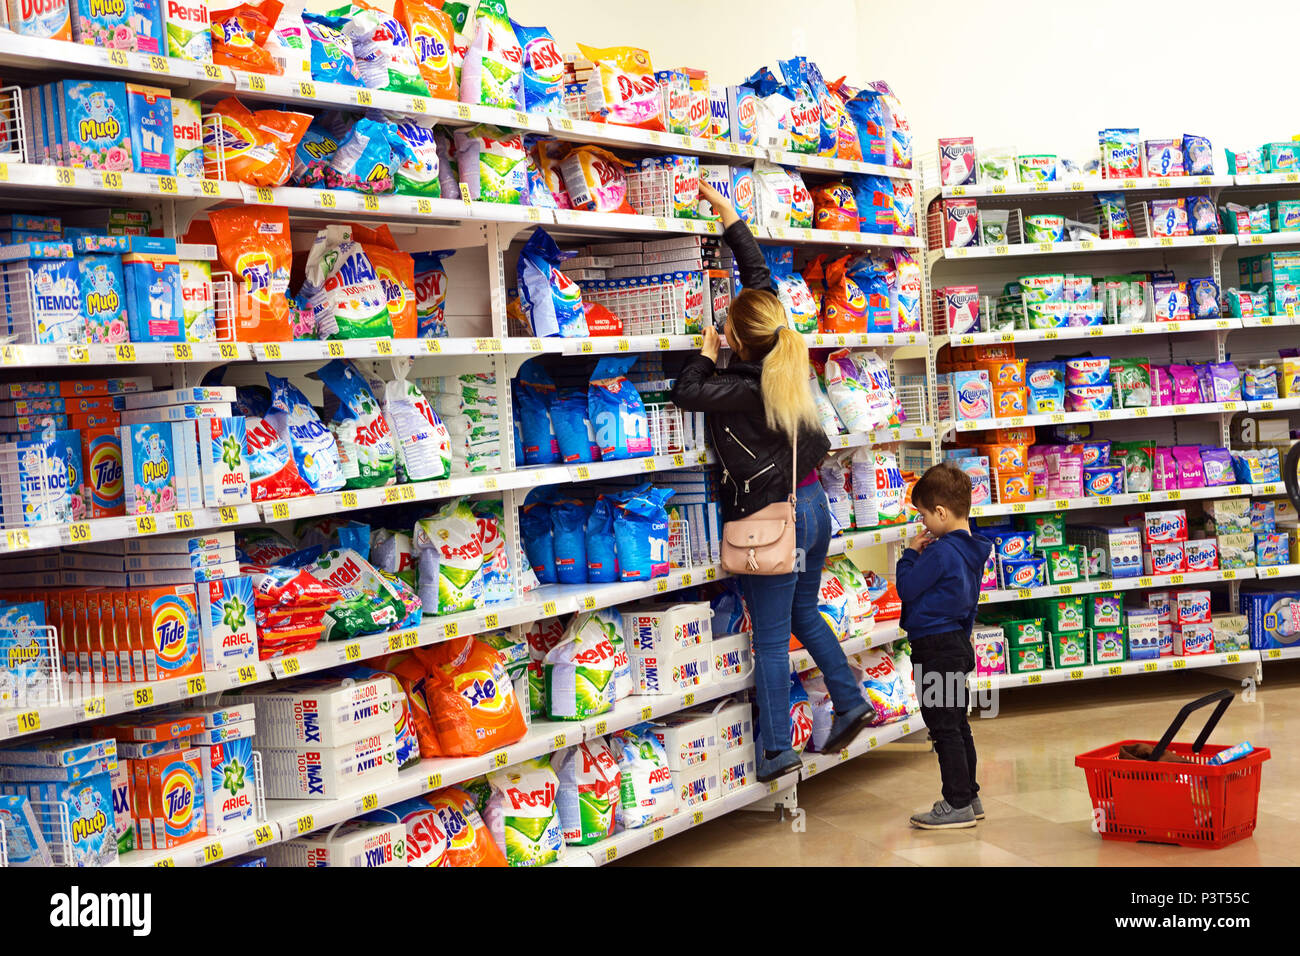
x=1035, y=797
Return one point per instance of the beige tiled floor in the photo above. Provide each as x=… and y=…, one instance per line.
x=1036, y=799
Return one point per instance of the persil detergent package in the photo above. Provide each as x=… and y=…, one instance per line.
x=617, y=413
x=471, y=697
x=256, y=148
x=332, y=58
x=541, y=88
x=423, y=444
x=382, y=48
x=596, y=180
x=450, y=548
x=314, y=452
x=370, y=602
x=579, y=671
x=550, y=299
x=882, y=686
x=646, y=790
x=493, y=63
x=589, y=791
x=623, y=89
x=341, y=290
x=240, y=34
x=367, y=453
x=492, y=162
x=430, y=29
x=431, y=294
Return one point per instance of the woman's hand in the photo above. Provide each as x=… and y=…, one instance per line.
x=712, y=342
x=719, y=203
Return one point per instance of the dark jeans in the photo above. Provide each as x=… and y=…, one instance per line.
x=782, y=604
x=940, y=663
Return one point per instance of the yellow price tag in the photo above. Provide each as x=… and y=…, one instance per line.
x=247, y=674
x=611, y=854
x=79, y=533
x=390, y=496
x=370, y=802
x=1178, y=663
x=290, y=665
x=144, y=524
x=1065, y=589
x=326, y=200
x=257, y=83
x=335, y=349
x=306, y=823
x=1076, y=675
x=142, y=697
x=124, y=352
x=182, y=352
x=679, y=460
x=407, y=492
x=370, y=203
x=384, y=346
x=212, y=852
x=1116, y=671
x=432, y=346
x=1175, y=579
x=196, y=685
x=263, y=834
x=648, y=464
x=657, y=835
x=265, y=195
x=94, y=707
x=1150, y=666
x=229, y=351
x=491, y=621
x=117, y=57
x=688, y=700
x=28, y=721
x=434, y=781
x=394, y=642
x=1273, y=654
x=280, y=511
x=548, y=609
x=352, y=651
x=450, y=629
x=500, y=759
x=1023, y=593
x=1035, y=679
x=364, y=98
x=686, y=579
x=307, y=88
x=271, y=351
x=462, y=111
x=348, y=499
x=167, y=185
x=647, y=712
x=210, y=188
x=229, y=514
x=697, y=817
x=1233, y=658
x=64, y=177
x=183, y=520
x=213, y=72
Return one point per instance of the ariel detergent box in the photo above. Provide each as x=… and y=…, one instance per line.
x=46, y=19
x=222, y=461
x=96, y=127
x=227, y=622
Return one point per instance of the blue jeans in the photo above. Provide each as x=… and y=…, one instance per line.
x=782, y=604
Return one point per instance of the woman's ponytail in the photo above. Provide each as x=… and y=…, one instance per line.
x=786, y=397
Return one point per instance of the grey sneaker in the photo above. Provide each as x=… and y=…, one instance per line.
x=943, y=816
x=977, y=807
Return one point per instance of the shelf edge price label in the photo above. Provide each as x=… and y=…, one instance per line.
x=212, y=852
x=229, y=514
x=247, y=674
x=28, y=721
x=434, y=781
x=144, y=524
x=94, y=707
x=500, y=759
x=352, y=651
x=611, y=854
x=1116, y=670
x=305, y=824
x=141, y=697
x=182, y=352
x=263, y=834
x=369, y=801
x=697, y=818
x=548, y=609
x=196, y=685
x=183, y=520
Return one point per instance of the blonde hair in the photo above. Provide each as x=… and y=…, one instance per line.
x=759, y=322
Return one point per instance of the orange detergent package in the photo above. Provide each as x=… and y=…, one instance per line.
x=253, y=244
x=844, y=308
x=471, y=698
x=469, y=842
x=411, y=674
x=623, y=89
x=395, y=271
x=814, y=276
x=834, y=207
x=239, y=36
x=431, y=31
x=257, y=148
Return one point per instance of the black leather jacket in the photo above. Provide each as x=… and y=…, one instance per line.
x=756, y=461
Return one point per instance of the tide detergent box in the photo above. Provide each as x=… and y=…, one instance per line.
x=176, y=790
x=149, y=467
x=170, y=618
x=46, y=19
x=222, y=461
x=102, y=488
x=102, y=298
x=104, y=23
x=227, y=622
x=96, y=124
x=230, y=781
x=152, y=137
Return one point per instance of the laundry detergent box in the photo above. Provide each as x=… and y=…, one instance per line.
x=1143, y=627
x=1192, y=639
x=104, y=23
x=189, y=35
x=697, y=786
x=360, y=844
x=671, y=672
x=227, y=622
x=43, y=19
x=176, y=788
x=153, y=148
x=1065, y=615
x=1071, y=650
x=736, y=768
x=990, y=645
x=45, y=310
x=323, y=712
x=1271, y=618
x=102, y=298
x=1109, y=646
x=230, y=784
x=224, y=467
x=96, y=126
x=325, y=773
x=1029, y=658
x=198, y=301
x=1105, y=612
x=690, y=740
x=153, y=296
x=149, y=468
x=735, y=720
x=24, y=841
x=147, y=22
x=667, y=628
x=91, y=825
x=170, y=620
x=1231, y=632
x=732, y=656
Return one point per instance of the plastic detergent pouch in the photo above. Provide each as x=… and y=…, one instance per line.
x=833, y=603
x=844, y=305
x=256, y=147
x=860, y=606
x=569, y=534
x=646, y=790
x=617, y=414
x=382, y=48
x=804, y=118
x=395, y=271
x=367, y=158
x=332, y=58
x=240, y=34
x=271, y=466
x=431, y=32
x=826, y=414
x=835, y=479
x=492, y=69
x=523, y=815
x=602, y=552
x=823, y=710
x=579, y=671
x=596, y=180
x=623, y=89
x=471, y=697
x=262, y=546
x=393, y=553
x=866, y=109
x=573, y=431
x=315, y=150
x=882, y=399
x=641, y=535
x=539, y=194
x=882, y=686
x=314, y=452
x=541, y=88
x=492, y=163
x=848, y=392
x=589, y=781
x=537, y=394
x=791, y=289
x=367, y=452
x=342, y=289
x=450, y=550
x=905, y=292
x=548, y=154
x=774, y=102
x=423, y=444
x=550, y=299
x=288, y=43
x=431, y=294
x=839, y=133
x=497, y=588
x=448, y=164
x=878, y=488
x=370, y=601
x=835, y=206
x=538, y=537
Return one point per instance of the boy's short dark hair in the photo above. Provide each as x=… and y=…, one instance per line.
x=946, y=485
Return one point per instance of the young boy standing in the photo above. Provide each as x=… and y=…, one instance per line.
x=938, y=581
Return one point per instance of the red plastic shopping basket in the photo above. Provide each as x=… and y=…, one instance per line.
x=1188, y=804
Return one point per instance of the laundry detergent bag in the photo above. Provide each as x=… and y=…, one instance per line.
x=423, y=443
x=342, y=290
x=550, y=299
x=617, y=413
x=367, y=452
x=579, y=671
x=450, y=549
x=431, y=32
x=589, y=791
x=471, y=697
x=623, y=89
x=646, y=790
x=493, y=164
x=253, y=244
x=523, y=815
x=314, y=452
x=382, y=47
x=493, y=62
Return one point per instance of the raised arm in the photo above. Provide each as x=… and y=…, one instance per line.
x=754, y=273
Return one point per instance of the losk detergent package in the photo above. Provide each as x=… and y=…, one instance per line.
x=550, y=299
x=431, y=294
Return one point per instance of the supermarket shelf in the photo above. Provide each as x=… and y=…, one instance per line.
x=805, y=162
x=209, y=850
x=1090, y=185
x=882, y=436
x=639, y=708
x=1274, y=405
x=1083, y=245
x=101, y=184
x=336, y=201
x=126, y=353
x=31, y=53
x=1277, y=571
x=599, y=222
x=323, y=351
x=856, y=340
x=114, y=529
x=1279, y=654
x=1116, y=584
x=853, y=540
x=1270, y=239
x=604, y=344
x=1267, y=321
x=1127, y=668
x=835, y=237
x=1267, y=179
x=870, y=739
x=608, y=134
x=1136, y=498
x=1103, y=415
x=629, y=841
x=883, y=634
x=1092, y=331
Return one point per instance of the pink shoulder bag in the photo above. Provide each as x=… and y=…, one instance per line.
x=764, y=543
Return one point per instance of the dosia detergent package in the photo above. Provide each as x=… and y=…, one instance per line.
x=589, y=791
x=490, y=73
x=550, y=299
x=471, y=698
x=617, y=414
x=596, y=180
x=341, y=290
x=522, y=813
x=450, y=548
x=646, y=791
x=367, y=454
x=623, y=89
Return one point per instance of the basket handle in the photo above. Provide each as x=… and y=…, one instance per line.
x=1224, y=697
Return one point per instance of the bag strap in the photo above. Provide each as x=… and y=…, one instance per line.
x=794, y=468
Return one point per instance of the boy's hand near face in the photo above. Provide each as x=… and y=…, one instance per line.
x=921, y=541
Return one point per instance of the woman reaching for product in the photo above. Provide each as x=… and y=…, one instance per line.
x=754, y=409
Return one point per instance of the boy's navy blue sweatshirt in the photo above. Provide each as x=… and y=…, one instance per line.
x=940, y=587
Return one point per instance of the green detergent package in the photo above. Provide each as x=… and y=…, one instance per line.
x=1131, y=379
x=1064, y=614
x=1064, y=563
x=370, y=601
x=450, y=546
x=341, y=289
x=1048, y=530
x=1025, y=631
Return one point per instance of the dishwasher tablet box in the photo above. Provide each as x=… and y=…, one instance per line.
x=670, y=673
x=357, y=843
x=732, y=656
x=1271, y=616
x=319, y=713
x=690, y=740
x=326, y=773
x=662, y=629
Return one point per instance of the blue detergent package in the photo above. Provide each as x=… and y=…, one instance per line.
x=537, y=533
x=314, y=452
x=153, y=145
x=332, y=56
x=541, y=89
x=617, y=413
x=569, y=540
x=550, y=299
x=367, y=158
x=602, y=553
x=641, y=535
x=875, y=198
x=314, y=152
x=103, y=298
x=573, y=431
x=867, y=108
x=536, y=394
x=728, y=606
